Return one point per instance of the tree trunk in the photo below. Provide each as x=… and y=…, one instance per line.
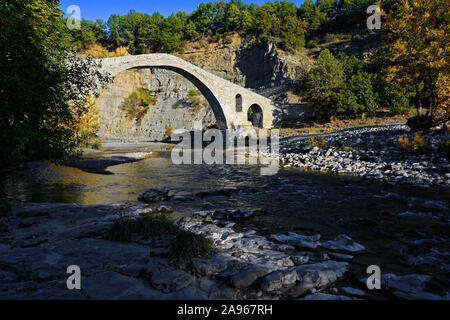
x=419, y=107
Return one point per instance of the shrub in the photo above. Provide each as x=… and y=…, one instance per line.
x=188, y=245
x=216, y=38
x=193, y=97
x=121, y=52
x=168, y=131
x=145, y=227
x=357, y=37
x=96, y=50
x=195, y=101
x=333, y=37
x=337, y=144
x=416, y=146
x=138, y=103
x=340, y=87
x=318, y=141
x=97, y=145
x=420, y=123
x=313, y=43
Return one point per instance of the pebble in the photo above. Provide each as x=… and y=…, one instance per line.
x=384, y=161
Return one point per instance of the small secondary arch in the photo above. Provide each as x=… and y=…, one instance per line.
x=255, y=115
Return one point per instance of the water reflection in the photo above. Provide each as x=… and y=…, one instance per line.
x=46, y=182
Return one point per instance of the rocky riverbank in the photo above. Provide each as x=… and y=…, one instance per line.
x=371, y=153
x=39, y=241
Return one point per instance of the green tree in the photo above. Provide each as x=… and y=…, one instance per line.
x=191, y=32
x=322, y=84
x=357, y=96
x=43, y=89
x=233, y=15
x=340, y=87
x=292, y=33
x=246, y=21
x=171, y=34
x=113, y=30
x=90, y=32
x=392, y=95
x=203, y=18
x=312, y=15
x=329, y=7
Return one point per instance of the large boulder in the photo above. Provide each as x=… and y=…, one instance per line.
x=154, y=195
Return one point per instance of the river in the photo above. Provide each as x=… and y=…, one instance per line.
x=405, y=229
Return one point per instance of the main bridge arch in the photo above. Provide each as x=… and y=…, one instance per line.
x=222, y=95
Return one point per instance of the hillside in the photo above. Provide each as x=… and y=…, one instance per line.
x=261, y=67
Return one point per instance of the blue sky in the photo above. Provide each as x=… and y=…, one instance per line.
x=102, y=9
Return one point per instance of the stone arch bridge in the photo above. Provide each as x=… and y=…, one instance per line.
x=229, y=102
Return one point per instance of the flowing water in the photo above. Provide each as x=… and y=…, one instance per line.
x=404, y=228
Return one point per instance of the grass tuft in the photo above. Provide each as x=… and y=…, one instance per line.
x=188, y=245
x=145, y=227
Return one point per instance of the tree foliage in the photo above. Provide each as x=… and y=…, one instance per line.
x=416, y=54
x=340, y=87
x=137, y=103
x=43, y=89
x=323, y=83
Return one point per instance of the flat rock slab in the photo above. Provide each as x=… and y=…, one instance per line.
x=245, y=278
x=119, y=287
x=328, y=271
x=172, y=280
x=414, y=287
x=216, y=264
x=279, y=279
x=298, y=240
x=343, y=243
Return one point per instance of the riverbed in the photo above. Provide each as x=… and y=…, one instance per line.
x=405, y=229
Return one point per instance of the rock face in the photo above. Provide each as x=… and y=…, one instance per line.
x=171, y=109
x=256, y=67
